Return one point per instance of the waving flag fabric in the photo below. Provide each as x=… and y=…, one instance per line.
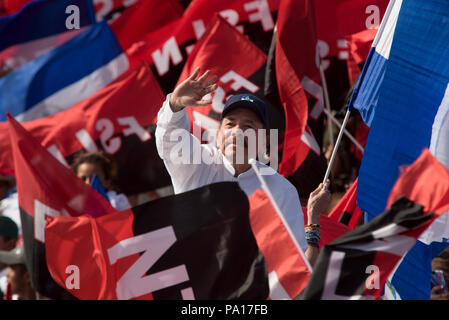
x=194, y=245
x=357, y=265
x=46, y=189
x=426, y=181
x=288, y=273
x=167, y=48
x=366, y=93
x=37, y=35
x=402, y=95
x=134, y=23
x=346, y=210
x=63, y=76
x=101, y=122
x=233, y=59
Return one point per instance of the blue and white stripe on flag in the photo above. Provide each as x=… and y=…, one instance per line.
x=39, y=27
x=404, y=99
x=63, y=76
x=366, y=91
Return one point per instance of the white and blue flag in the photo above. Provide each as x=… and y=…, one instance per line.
x=40, y=26
x=63, y=76
x=403, y=96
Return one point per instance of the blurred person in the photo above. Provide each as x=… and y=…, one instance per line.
x=9, y=234
x=241, y=113
x=9, y=201
x=441, y=263
x=17, y=275
x=86, y=165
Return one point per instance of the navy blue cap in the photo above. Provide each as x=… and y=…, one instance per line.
x=250, y=102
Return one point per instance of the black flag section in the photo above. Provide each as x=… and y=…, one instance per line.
x=357, y=265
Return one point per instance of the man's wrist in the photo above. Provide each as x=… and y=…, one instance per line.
x=174, y=106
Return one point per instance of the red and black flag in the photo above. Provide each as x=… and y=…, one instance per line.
x=357, y=265
x=167, y=48
x=287, y=271
x=143, y=17
x=346, y=211
x=233, y=59
x=335, y=21
x=46, y=189
x=193, y=245
x=292, y=82
x=119, y=119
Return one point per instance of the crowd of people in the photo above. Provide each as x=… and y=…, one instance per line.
x=241, y=112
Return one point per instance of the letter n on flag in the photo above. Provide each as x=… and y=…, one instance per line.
x=194, y=245
x=46, y=189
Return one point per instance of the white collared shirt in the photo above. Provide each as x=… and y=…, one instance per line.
x=196, y=173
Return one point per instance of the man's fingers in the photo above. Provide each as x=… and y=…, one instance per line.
x=195, y=74
x=204, y=76
x=211, y=88
x=207, y=83
x=203, y=103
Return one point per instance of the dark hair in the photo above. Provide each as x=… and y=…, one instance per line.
x=100, y=158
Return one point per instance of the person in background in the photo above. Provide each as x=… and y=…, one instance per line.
x=17, y=275
x=99, y=164
x=9, y=233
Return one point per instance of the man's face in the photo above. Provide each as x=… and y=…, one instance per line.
x=235, y=123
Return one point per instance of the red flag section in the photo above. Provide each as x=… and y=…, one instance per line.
x=337, y=19
x=346, y=211
x=287, y=271
x=46, y=189
x=106, y=120
x=426, y=181
x=135, y=21
x=330, y=228
x=94, y=237
x=230, y=56
x=43, y=181
x=141, y=253
x=167, y=48
x=295, y=63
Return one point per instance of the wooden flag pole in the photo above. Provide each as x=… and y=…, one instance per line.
x=337, y=144
x=265, y=188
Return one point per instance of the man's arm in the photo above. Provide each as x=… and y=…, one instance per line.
x=318, y=201
x=174, y=142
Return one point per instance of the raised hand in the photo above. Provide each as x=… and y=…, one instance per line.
x=191, y=91
x=318, y=201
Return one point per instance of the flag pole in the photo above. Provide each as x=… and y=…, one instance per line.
x=337, y=144
x=349, y=135
x=265, y=188
x=327, y=104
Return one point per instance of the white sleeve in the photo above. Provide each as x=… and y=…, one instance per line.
x=181, y=151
